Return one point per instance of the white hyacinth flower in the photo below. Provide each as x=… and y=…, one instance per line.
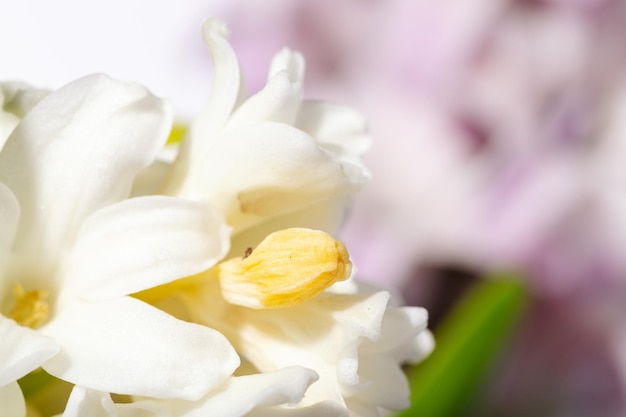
x=72, y=248
x=269, y=155
x=276, y=166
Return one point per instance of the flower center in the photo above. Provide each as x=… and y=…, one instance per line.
x=31, y=307
x=288, y=267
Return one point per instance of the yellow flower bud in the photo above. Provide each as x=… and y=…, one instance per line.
x=288, y=267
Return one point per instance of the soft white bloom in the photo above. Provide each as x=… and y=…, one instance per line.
x=271, y=163
x=16, y=99
x=271, y=154
x=250, y=395
x=72, y=249
x=353, y=339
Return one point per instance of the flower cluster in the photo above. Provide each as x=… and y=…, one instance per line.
x=206, y=284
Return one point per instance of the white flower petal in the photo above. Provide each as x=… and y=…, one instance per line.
x=76, y=151
x=270, y=169
x=12, y=400
x=19, y=98
x=326, y=216
x=382, y=382
x=399, y=326
x=226, y=86
x=415, y=349
x=144, y=242
x=16, y=99
x=227, y=91
x=240, y=395
x=87, y=402
x=276, y=338
x=280, y=100
x=10, y=210
x=128, y=347
x=288, y=61
x=320, y=409
x=337, y=128
x=8, y=122
x=22, y=350
x=151, y=179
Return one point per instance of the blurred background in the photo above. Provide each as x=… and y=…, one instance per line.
x=498, y=198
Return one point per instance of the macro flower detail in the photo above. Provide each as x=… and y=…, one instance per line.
x=288, y=267
x=73, y=248
x=16, y=99
x=208, y=285
x=271, y=154
x=257, y=395
x=31, y=307
x=280, y=170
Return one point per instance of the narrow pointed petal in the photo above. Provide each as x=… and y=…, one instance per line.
x=76, y=151
x=226, y=92
x=280, y=99
x=140, y=351
x=87, y=402
x=226, y=85
x=144, y=242
x=10, y=210
x=12, y=400
x=22, y=350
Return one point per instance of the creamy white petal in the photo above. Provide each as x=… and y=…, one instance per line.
x=144, y=242
x=12, y=400
x=151, y=179
x=382, y=382
x=126, y=346
x=76, y=151
x=22, y=350
x=289, y=61
x=323, y=333
x=227, y=91
x=10, y=210
x=415, y=349
x=226, y=85
x=147, y=408
x=280, y=99
x=326, y=216
x=338, y=128
x=269, y=169
x=240, y=395
x=320, y=409
x=19, y=98
x=85, y=402
x=16, y=99
x=399, y=327
x=8, y=122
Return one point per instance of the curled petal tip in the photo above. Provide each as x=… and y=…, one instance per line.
x=214, y=27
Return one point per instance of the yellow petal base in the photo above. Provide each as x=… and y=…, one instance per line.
x=31, y=307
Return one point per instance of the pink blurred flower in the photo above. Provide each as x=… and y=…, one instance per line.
x=500, y=137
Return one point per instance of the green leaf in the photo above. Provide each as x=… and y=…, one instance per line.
x=35, y=381
x=468, y=341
